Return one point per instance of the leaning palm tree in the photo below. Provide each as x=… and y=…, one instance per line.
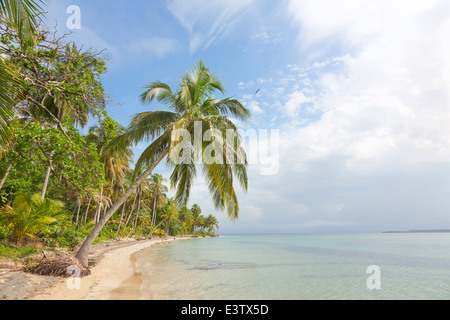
x=193, y=110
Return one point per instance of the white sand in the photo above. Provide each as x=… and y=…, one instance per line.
x=113, y=277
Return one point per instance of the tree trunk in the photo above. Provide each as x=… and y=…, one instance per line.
x=151, y=232
x=133, y=230
x=97, y=214
x=47, y=177
x=6, y=175
x=137, y=212
x=87, y=210
x=121, y=218
x=129, y=216
x=154, y=212
x=82, y=254
x=167, y=226
x=79, y=207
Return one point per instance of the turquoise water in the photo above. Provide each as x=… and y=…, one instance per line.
x=292, y=267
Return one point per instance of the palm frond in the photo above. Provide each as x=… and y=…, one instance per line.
x=153, y=151
x=227, y=107
x=24, y=17
x=10, y=92
x=147, y=126
x=160, y=91
x=182, y=179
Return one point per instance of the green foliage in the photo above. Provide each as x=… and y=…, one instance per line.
x=57, y=87
x=175, y=228
x=106, y=234
x=30, y=214
x=159, y=232
x=36, y=147
x=5, y=232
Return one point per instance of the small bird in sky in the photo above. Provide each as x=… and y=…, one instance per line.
x=257, y=91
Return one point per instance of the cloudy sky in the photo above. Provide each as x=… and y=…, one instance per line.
x=357, y=89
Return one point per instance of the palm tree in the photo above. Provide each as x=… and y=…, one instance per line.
x=22, y=15
x=186, y=218
x=192, y=105
x=170, y=213
x=158, y=190
x=211, y=223
x=29, y=214
x=196, y=211
x=115, y=160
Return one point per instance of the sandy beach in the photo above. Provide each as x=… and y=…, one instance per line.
x=112, y=276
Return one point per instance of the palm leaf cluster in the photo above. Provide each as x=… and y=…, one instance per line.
x=29, y=214
x=194, y=108
x=22, y=15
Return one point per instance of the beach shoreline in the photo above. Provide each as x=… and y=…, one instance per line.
x=112, y=277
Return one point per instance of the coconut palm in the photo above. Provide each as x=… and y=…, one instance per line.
x=196, y=212
x=170, y=213
x=211, y=223
x=158, y=190
x=115, y=160
x=194, y=109
x=186, y=218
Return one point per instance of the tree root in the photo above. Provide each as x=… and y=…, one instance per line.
x=59, y=265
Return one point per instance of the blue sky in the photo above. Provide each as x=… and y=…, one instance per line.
x=359, y=91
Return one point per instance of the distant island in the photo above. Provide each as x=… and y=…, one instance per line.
x=420, y=231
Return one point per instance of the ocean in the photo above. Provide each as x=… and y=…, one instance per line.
x=298, y=267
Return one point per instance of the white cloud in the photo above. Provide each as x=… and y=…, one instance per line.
x=254, y=107
x=207, y=20
x=295, y=102
x=373, y=152
x=393, y=96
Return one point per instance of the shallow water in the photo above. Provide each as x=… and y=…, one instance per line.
x=260, y=267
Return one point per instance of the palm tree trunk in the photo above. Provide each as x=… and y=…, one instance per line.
x=82, y=254
x=97, y=214
x=79, y=207
x=129, y=216
x=47, y=177
x=167, y=226
x=154, y=212
x=137, y=211
x=104, y=211
x=151, y=232
x=6, y=175
x=87, y=210
x=121, y=218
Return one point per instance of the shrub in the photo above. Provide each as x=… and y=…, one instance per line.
x=5, y=232
x=30, y=214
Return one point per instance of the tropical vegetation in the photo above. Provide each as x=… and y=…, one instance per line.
x=63, y=188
